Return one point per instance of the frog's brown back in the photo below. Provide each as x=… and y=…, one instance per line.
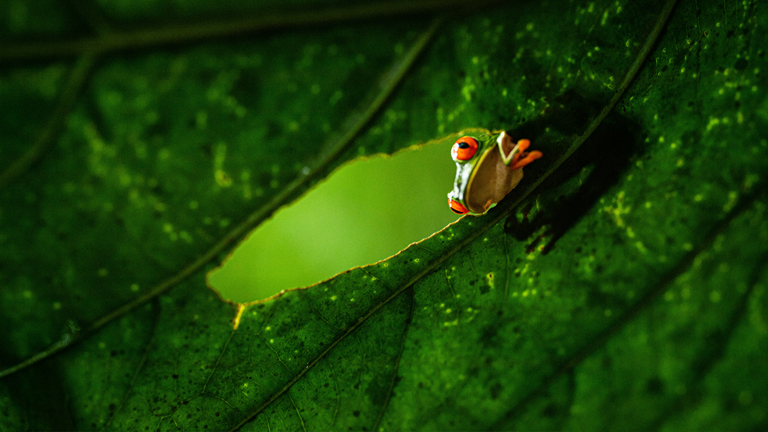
x=492, y=179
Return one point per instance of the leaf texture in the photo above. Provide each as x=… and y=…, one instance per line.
x=619, y=287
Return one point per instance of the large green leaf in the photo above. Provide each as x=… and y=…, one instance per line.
x=626, y=291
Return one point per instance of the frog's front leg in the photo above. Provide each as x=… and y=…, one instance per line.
x=517, y=157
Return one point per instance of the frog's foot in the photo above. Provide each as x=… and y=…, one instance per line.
x=521, y=157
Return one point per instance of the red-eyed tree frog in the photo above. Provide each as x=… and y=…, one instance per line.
x=488, y=167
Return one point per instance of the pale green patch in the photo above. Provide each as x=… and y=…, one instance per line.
x=364, y=212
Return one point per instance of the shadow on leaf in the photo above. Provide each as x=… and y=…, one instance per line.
x=597, y=166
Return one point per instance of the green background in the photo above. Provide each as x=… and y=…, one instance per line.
x=363, y=213
x=627, y=292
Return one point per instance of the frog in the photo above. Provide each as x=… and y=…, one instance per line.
x=488, y=167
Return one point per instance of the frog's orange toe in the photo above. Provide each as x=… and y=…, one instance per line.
x=518, y=151
x=523, y=144
x=525, y=159
x=456, y=207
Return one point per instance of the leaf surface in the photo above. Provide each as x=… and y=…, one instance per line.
x=627, y=291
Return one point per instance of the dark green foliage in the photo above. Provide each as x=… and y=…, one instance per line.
x=627, y=292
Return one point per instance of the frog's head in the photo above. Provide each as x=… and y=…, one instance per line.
x=467, y=152
x=488, y=167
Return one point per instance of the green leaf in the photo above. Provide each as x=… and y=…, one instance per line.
x=620, y=286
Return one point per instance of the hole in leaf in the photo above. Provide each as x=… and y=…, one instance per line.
x=366, y=211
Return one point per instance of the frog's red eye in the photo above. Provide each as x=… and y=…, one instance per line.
x=456, y=207
x=464, y=148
